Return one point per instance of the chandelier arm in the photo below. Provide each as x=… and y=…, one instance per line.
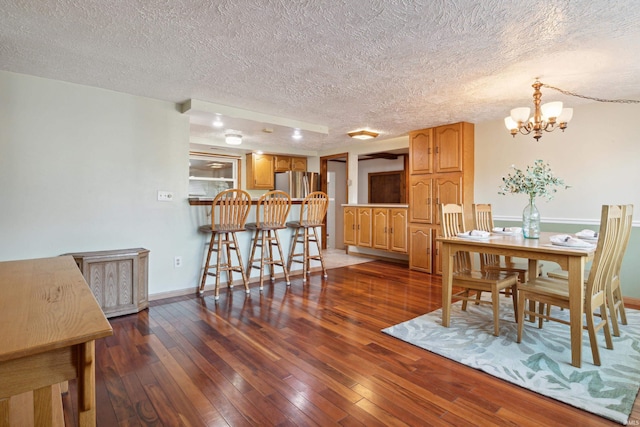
x=525, y=130
x=566, y=92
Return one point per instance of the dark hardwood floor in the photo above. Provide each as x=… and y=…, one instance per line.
x=308, y=354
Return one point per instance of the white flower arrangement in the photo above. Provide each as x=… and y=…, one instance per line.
x=537, y=180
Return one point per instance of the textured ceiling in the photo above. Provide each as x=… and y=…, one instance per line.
x=387, y=65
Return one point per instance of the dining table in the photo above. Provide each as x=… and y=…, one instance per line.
x=49, y=321
x=571, y=259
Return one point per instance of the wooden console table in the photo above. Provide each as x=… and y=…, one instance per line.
x=50, y=321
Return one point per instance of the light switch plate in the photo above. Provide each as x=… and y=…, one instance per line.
x=165, y=196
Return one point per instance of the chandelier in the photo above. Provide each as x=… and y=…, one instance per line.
x=546, y=117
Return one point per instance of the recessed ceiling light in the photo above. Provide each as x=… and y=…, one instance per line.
x=363, y=134
x=217, y=122
x=296, y=134
x=233, y=139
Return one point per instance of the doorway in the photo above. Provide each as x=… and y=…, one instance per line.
x=334, y=178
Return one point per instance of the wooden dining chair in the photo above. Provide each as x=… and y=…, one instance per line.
x=305, y=231
x=550, y=291
x=465, y=277
x=615, y=302
x=271, y=215
x=483, y=220
x=229, y=211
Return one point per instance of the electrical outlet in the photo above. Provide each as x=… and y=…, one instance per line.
x=165, y=196
x=177, y=262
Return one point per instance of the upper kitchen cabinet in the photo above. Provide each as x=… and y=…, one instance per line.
x=421, y=149
x=441, y=149
x=299, y=164
x=260, y=170
x=449, y=147
x=290, y=163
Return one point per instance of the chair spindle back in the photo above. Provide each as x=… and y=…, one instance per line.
x=314, y=208
x=273, y=209
x=232, y=208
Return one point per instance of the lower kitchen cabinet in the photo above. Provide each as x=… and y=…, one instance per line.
x=381, y=228
x=420, y=248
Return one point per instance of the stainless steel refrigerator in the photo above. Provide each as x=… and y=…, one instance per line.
x=297, y=184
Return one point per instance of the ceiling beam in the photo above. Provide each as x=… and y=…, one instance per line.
x=197, y=106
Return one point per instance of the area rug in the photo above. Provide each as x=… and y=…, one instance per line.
x=542, y=362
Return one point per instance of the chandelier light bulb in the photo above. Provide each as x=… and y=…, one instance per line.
x=551, y=110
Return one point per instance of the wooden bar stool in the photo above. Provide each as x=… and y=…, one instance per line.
x=312, y=213
x=271, y=215
x=232, y=207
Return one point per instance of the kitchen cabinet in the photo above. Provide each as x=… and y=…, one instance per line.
x=448, y=189
x=260, y=170
x=290, y=163
x=449, y=146
x=390, y=229
x=380, y=227
x=441, y=171
x=357, y=226
x=422, y=188
x=420, y=199
x=299, y=164
x=363, y=227
x=398, y=233
x=349, y=226
x=421, y=149
x=420, y=248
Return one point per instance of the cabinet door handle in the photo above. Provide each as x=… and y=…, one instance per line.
x=437, y=149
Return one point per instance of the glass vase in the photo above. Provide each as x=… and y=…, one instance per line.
x=531, y=220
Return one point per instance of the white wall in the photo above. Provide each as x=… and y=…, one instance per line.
x=339, y=175
x=80, y=168
x=598, y=156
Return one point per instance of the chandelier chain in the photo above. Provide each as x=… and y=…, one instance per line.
x=566, y=92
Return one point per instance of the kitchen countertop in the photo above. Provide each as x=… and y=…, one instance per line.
x=377, y=205
x=206, y=201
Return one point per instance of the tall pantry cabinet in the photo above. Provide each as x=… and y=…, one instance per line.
x=440, y=171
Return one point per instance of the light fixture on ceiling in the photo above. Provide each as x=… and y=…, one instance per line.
x=233, y=138
x=547, y=117
x=217, y=122
x=296, y=134
x=363, y=134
